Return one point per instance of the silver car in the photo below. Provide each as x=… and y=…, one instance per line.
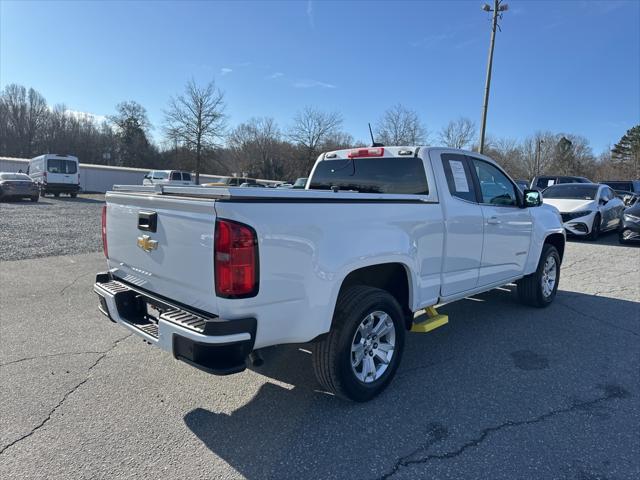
x=18, y=185
x=587, y=209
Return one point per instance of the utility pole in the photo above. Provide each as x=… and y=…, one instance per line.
x=539, y=143
x=498, y=8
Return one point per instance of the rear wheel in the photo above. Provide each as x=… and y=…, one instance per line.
x=35, y=198
x=360, y=355
x=73, y=195
x=539, y=289
x=595, y=228
x=57, y=194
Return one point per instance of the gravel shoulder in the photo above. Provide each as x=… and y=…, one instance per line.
x=52, y=226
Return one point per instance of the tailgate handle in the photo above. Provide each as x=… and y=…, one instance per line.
x=147, y=221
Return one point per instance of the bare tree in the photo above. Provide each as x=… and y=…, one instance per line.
x=311, y=128
x=255, y=146
x=401, y=126
x=196, y=120
x=458, y=133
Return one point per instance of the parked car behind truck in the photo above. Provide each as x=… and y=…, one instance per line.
x=18, y=185
x=56, y=174
x=213, y=275
x=587, y=209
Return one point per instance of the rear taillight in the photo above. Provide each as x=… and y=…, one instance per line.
x=236, y=260
x=105, y=247
x=366, y=152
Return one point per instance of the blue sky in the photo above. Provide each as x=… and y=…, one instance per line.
x=564, y=66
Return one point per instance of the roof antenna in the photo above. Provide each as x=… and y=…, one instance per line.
x=373, y=142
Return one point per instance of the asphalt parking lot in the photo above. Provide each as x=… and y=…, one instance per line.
x=502, y=392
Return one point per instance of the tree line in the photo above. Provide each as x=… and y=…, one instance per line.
x=196, y=135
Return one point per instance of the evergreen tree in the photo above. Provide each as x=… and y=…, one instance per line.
x=626, y=153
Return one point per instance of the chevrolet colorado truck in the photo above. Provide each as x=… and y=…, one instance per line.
x=213, y=275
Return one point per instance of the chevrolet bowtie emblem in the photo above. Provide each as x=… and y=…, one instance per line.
x=145, y=243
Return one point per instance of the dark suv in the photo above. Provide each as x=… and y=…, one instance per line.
x=544, y=181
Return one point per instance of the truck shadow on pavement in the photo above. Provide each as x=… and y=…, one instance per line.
x=521, y=355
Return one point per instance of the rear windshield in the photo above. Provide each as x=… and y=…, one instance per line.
x=372, y=175
x=14, y=176
x=58, y=165
x=578, y=191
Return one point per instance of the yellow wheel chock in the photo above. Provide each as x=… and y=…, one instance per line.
x=432, y=321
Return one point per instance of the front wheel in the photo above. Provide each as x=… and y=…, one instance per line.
x=35, y=198
x=360, y=355
x=539, y=289
x=73, y=195
x=595, y=228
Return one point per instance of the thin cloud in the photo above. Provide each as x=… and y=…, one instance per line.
x=312, y=84
x=226, y=71
x=310, y=16
x=431, y=40
x=275, y=75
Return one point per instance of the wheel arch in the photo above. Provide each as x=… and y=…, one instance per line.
x=393, y=277
x=558, y=241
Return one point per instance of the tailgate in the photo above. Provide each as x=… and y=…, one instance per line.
x=174, y=257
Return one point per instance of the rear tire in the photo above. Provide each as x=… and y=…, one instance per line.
x=35, y=198
x=57, y=194
x=368, y=325
x=536, y=289
x=595, y=228
x=73, y=195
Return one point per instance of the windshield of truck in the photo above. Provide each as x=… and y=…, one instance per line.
x=59, y=165
x=372, y=175
x=574, y=191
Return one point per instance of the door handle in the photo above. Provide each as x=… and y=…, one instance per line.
x=493, y=221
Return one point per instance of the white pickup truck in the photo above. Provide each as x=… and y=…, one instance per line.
x=212, y=275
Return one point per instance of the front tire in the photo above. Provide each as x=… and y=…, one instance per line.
x=359, y=356
x=539, y=289
x=595, y=228
x=35, y=198
x=73, y=195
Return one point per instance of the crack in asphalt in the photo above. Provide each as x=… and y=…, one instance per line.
x=75, y=280
x=438, y=432
x=97, y=352
x=65, y=396
x=599, y=319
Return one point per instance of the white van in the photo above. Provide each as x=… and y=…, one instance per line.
x=168, y=177
x=56, y=174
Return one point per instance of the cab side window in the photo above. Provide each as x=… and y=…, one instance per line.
x=459, y=178
x=495, y=186
x=176, y=176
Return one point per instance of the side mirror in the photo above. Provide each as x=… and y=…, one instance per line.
x=532, y=198
x=603, y=201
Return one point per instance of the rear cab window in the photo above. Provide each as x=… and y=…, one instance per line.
x=186, y=176
x=372, y=175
